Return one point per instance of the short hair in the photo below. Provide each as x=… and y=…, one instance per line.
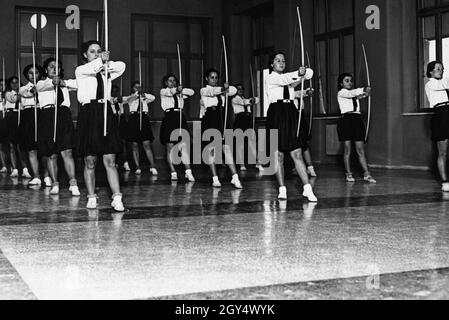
x=47, y=63
x=86, y=45
x=209, y=71
x=340, y=79
x=134, y=83
x=271, y=59
x=166, y=77
x=430, y=67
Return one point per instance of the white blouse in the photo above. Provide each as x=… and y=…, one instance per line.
x=436, y=91
x=87, y=81
x=133, y=101
x=239, y=104
x=47, y=94
x=275, y=83
x=168, y=96
x=345, y=100
x=11, y=99
x=209, y=95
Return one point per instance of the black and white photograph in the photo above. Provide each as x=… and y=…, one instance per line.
x=224, y=150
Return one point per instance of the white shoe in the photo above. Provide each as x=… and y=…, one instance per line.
x=4, y=170
x=189, y=176
x=126, y=166
x=369, y=179
x=236, y=182
x=216, y=183
x=54, y=190
x=445, y=187
x=282, y=193
x=35, y=182
x=48, y=182
x=92, y=203
x=174, y=176
x=308, y=193
x=153, y=171
x=26, y=174
x=14, y=173
x=311, y=172
x=138, y=172
x=75, y=191
x=350, y=178
x=117, y=204
x=260, y=168
x=243, y=168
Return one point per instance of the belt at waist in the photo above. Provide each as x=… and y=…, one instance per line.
x=244, y=113
x=285, y=101
x=442, y=104
x=137, y=112
x=173, y=110
x=11, y=110
x=95, y=101
x=348, y=113
x=29, y=107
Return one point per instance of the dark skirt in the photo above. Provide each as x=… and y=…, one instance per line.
x=64, y=131
x=170, y=123
x=351, y=127
x=12, y=127
x=284, y=118
x=27, y=130
x=213, y=119
x=90, y=139
x=243, y=121
x=133, y=132
x=3, y=135
x=440, y=124
x=123, y=126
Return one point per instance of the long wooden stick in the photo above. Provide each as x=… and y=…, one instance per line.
x=98, y=31
x=369, y=97
x=106, y=71
x=226, y=80
x=302, y=64
x=3, y=87
x=140, y=84
x=180, y=83
x=310, y=99
x=20, y=99
x=253, y=88
x=57, y=86
x=35, y=100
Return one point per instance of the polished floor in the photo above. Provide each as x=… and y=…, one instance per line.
x=190, y=241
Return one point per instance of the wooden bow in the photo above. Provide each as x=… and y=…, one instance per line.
x=253, y=88
x=180, y=83
x=35, y=100
x=140, y=85
x=369, y=97
x=3, y=86
x=57, y=86
x=106, y=69
x=18, y=96
x=227, y=81
x=310, y=99
x=302, y=64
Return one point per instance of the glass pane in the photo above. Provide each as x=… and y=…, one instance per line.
x=268, y=27
x=348, y=55
x=175, y=70
x=196, y=36
x=334, y=71
x=70, y=62
x=321, y=76
x=159, y=70
x=67, y=38
x=427, y=3
x=164, y=43
x=26, y=31
x=428, y=53
x=195, y=83
x=89, y=29
x=145, y=73
x=320, y=14
x=141, y=36
x=340, y=14
x=444, y=25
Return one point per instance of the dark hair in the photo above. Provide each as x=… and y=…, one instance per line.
x=85, y=47
x=134, y=83
x=47, y=63
x=271, y=59
x=166, y=77
x=341, y=78
x=430, y=67
x=209, y=71
x=29, y=67
x=8, y=83
x=239, y=85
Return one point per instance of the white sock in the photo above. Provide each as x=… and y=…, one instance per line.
x=215, y=179
x=235, y=177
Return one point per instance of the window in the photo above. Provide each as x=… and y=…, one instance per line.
x=433, y=34
x=262, y=47
x=156, y=38
x=334, y=50
x=45, y=40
